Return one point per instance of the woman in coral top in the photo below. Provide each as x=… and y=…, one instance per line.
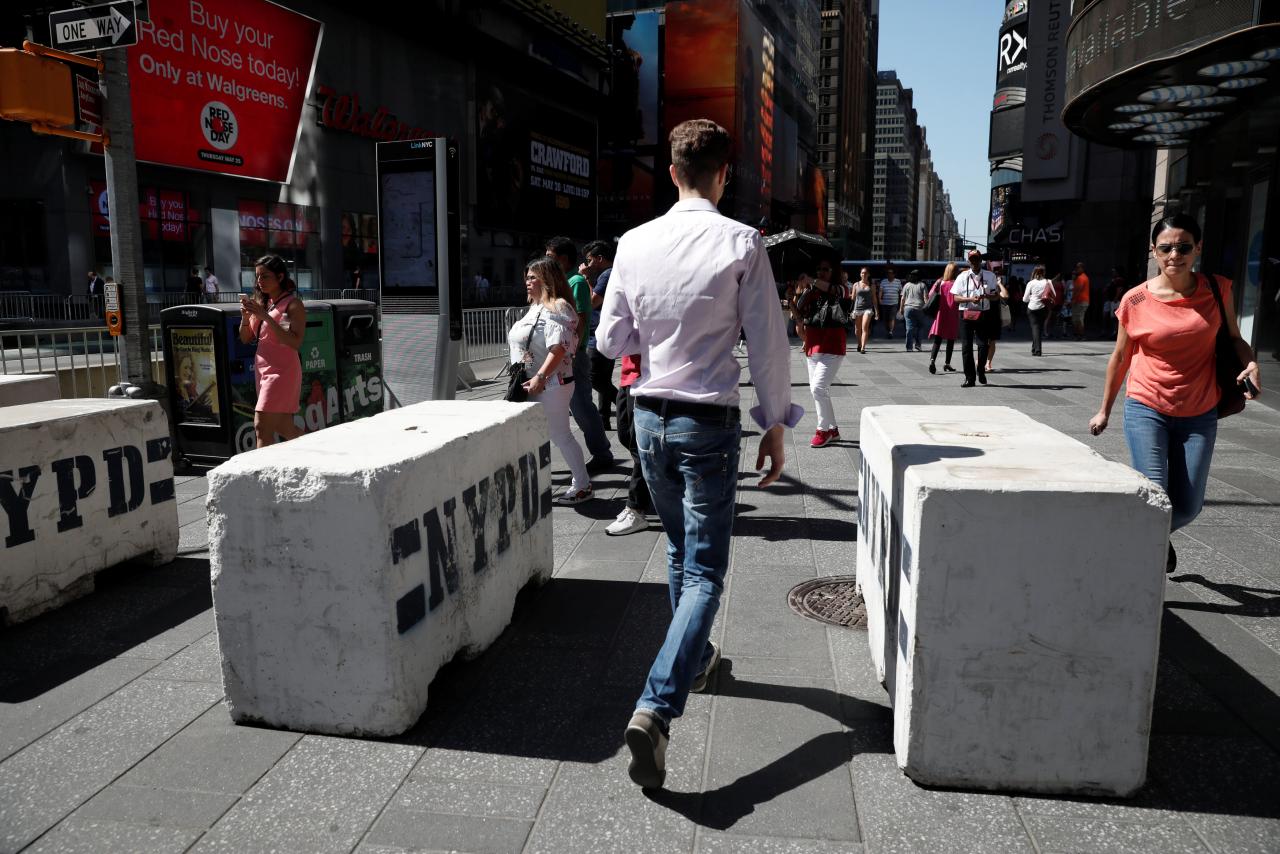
x=1165, y=344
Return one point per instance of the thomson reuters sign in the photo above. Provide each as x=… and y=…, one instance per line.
x=219, y=85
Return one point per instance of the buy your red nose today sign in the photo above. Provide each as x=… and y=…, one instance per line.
x=219, y=85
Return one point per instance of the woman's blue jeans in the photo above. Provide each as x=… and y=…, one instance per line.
x=1174, y=452
x=691, y=466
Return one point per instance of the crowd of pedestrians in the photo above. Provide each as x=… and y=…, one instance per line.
x=646, y=303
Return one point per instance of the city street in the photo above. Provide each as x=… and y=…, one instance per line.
x=114, y=736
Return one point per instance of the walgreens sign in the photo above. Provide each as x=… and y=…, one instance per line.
x=219, y=85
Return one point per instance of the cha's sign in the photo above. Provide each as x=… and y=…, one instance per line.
x=220, y=86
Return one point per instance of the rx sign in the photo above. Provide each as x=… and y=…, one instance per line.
x=93, y=28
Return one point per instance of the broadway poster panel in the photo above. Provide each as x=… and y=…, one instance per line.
x=196, y=377
x=219, y=85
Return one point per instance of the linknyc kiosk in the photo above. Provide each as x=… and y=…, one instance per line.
x=419, y=261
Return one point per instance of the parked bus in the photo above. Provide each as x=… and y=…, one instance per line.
x=930, y=271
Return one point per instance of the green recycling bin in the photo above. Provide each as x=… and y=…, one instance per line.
x=318, y=398
x=358, y=340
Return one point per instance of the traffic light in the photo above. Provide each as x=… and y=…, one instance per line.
x=35, y=89
x=920, y=243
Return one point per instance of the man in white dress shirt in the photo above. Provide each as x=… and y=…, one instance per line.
x=975, y=290
x=682, y=287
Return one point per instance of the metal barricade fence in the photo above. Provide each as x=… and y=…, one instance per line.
x=24, y=306
x=85, y=359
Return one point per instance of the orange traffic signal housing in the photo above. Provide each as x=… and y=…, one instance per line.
x=35, y=89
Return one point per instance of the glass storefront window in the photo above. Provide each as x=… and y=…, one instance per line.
x=173, y=235
x=360, y=250
x=278, y=228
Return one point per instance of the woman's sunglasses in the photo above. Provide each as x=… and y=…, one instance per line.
x=1167, y=248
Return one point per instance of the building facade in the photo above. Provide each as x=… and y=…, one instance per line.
x=846, y=118
x=1056, y=198
x=895, y=202
x=499, y=78
x=1199, y=91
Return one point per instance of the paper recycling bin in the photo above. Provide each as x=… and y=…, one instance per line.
x=318, y=400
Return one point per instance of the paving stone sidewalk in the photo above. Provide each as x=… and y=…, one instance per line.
x=114, y=737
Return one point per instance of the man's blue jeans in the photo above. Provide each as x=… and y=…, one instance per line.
x=1174, y=452
x=585, y=411
x=690, y=463
x=915, y=326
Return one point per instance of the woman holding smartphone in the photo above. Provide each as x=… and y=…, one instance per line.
x=275, y=319
x=1165, y=344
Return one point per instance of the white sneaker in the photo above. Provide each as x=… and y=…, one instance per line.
x=628, y=522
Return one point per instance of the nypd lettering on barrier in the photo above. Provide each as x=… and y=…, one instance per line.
x=73, y=480
x=511, y=501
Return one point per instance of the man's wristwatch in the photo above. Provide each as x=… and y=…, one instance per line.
x=540, y=375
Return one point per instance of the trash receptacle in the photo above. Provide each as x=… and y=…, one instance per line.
x=359, y=350
x=318, y=401
x=211, y=382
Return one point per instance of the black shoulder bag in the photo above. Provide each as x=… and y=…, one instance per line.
x=1226, y=362
x=516, y=392
x=832, y=312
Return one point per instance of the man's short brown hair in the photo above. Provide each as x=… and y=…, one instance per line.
x=699, y=149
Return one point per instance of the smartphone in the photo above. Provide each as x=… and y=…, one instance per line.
x=1249, y=386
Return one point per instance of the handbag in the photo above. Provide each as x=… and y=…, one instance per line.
x=1227, y=364
x=934, y=302
x=831, y=314
x=516, y=392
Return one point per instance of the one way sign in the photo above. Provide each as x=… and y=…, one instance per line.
x=93, y=28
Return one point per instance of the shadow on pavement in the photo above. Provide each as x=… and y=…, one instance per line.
x=131, y=604
x=1250, y=601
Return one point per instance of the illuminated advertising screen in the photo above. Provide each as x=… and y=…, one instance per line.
x=629, y=133
x=701, y=62
x=220, y=86
x=535, y=164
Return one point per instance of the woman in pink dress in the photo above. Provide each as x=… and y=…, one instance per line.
x=275, y=319
x=946, y=325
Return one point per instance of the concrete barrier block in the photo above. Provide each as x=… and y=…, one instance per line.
x=350, y=564
x=28, y=388
x=1014, y=582
x=84, y=485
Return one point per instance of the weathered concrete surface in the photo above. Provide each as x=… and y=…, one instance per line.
x=27, y=388
x=84, y=485
x=349, y=565
x=1014, y=583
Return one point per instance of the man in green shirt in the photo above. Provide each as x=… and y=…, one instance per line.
x=565, y=253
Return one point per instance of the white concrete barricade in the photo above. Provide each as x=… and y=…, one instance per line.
x=350, y=564
x=28, y=388
x=1014, y=581
x=84, y=485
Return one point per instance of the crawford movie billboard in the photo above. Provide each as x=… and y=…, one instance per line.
x=219, y=85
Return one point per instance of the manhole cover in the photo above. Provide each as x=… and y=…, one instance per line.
x=829, y=600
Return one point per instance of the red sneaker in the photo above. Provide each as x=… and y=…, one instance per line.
x=835, y=433
x=820, y=439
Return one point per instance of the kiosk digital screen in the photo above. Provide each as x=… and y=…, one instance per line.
x=409, y=260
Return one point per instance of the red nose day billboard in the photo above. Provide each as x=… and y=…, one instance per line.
x=219, y=85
